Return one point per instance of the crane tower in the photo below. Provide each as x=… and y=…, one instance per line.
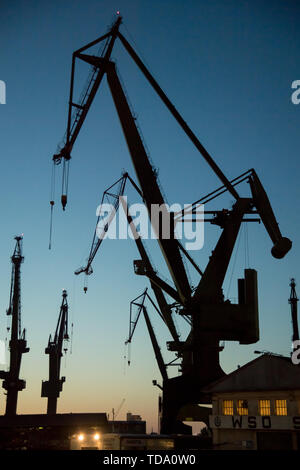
x=17, y=345
x=52, y=387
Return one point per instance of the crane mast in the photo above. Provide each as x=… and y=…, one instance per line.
x=293, y=301
x=17, y=345
x=52, y=387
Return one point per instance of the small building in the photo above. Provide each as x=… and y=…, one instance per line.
x=129, y=426
x=60, y=431
x=131, y=417
x=257, y=406
x=133, y=425
x=48, y=432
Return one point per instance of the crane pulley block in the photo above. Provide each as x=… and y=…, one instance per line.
x=140, y=267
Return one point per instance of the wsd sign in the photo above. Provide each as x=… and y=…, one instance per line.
x=254, y=422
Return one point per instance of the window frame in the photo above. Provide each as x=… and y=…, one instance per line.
x=240, y=409
x=284, y=408
x=265, y=407
x=228, y=407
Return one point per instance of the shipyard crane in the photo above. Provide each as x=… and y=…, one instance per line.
x=17, y=345
x=78, y=111
x=116, y=191
x=133, y=321
x=52, y=387
x=213, y=319
x=293, y=301
x=115, y=413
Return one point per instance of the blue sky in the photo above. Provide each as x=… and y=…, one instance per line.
x=228, y=67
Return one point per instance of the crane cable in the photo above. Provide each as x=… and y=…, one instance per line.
x=234, y=263
x=129, y=354
x=52, y=193
x=246, y=254
x=125, y=359
x=85, y=283
x=65, y=183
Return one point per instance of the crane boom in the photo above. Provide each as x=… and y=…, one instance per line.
x=178, y=117
x=157, y=284
x=81, y=109
x=282, y=245
x=52, y=387
x=148, y=183
x=100, y=232
x=132, y=326
x=17, y=345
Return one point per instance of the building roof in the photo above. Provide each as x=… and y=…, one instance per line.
x=67, y=420
x=267, y=372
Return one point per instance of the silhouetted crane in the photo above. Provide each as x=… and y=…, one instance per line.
x=140, y=303
x=17, y=345
x=293, y=301
x=212, y=318
x=52, y=387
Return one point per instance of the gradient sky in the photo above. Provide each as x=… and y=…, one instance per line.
x=228, y=67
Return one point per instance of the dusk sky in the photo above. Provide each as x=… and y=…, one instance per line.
x=228, y=67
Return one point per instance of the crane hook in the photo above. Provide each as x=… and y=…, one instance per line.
x=51, y=223
x=63, y=201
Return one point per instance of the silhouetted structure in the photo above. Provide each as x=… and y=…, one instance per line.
x=17, y=345
x=212, y=319
x=257, y=406
x=293, y=301
x=52, y=387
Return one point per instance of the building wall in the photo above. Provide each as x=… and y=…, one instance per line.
x=125, y=427
x=237, y=432
x=292, y=397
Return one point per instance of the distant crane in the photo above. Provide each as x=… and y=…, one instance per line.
x=17, y=345
x=140, y=303
x=52, y=387
x=115, y=413
x=293, y=300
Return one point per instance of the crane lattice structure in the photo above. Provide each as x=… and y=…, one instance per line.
x=17, y=345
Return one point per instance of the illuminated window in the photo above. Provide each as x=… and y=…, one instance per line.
x=242, y=407
x=280, y=408
x=228, y=407
x=264, y=407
